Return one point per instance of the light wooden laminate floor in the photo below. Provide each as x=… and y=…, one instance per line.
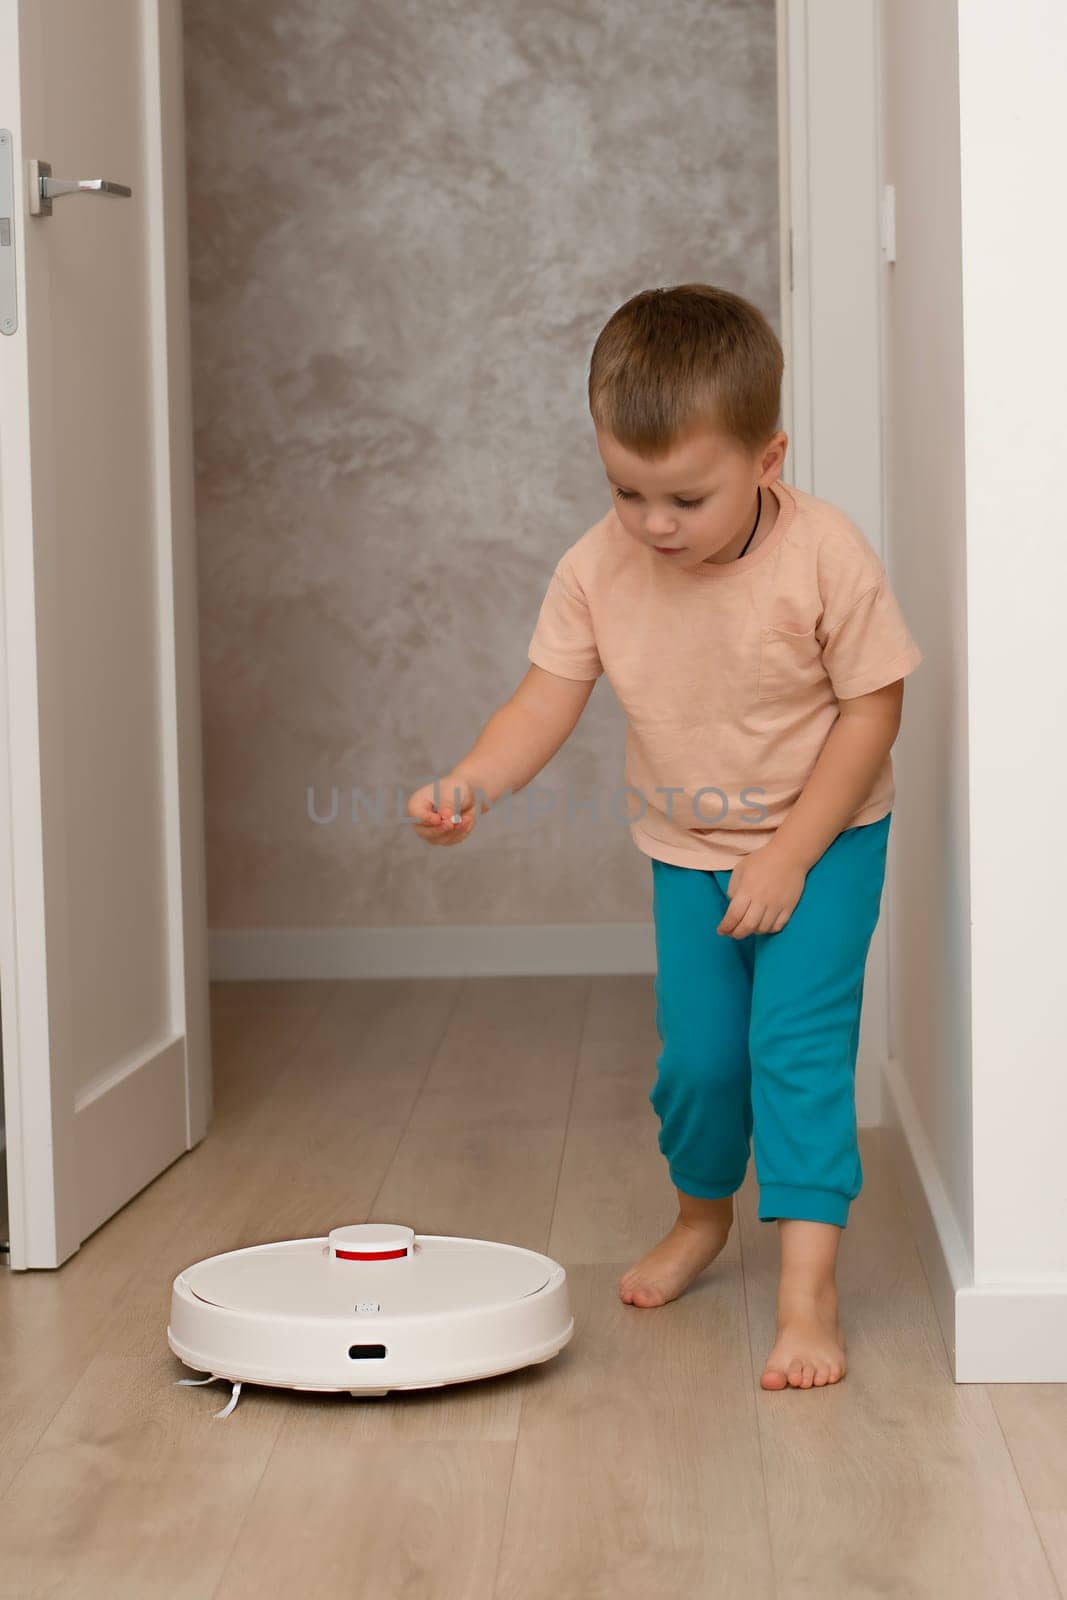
x=643, y=1460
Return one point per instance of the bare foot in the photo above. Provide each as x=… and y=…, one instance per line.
x=810, y=1347
x=672, y=1265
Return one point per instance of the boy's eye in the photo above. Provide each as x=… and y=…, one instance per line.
x=687, y=505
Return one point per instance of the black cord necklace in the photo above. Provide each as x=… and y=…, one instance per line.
x=755, y=525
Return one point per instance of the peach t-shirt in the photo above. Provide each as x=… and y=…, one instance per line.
x=729, y=673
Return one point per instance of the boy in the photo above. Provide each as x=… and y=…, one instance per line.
x=751, y=635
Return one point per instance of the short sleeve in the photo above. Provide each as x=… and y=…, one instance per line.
x=870, y=646
x=563, y=640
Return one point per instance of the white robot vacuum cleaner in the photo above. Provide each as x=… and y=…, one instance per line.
x=370, y=1308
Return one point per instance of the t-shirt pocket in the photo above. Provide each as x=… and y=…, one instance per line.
x=790, y=658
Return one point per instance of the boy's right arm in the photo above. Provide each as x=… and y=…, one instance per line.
x=520, y=738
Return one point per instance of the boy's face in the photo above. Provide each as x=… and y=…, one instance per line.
x=698, y=500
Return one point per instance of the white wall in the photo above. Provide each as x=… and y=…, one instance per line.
x=1014, y=122
x=974, y=123
x=930, y=997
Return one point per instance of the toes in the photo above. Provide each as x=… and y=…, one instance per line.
x=801, y=1374
x=642, y=1295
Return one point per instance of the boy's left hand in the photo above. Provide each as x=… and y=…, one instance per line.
x=763, y=891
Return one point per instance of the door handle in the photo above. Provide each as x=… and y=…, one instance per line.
x=44, y=188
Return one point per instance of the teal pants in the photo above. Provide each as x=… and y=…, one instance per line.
x=760, y=1034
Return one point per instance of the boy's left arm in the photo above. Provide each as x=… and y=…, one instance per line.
x=766, y=885
x=841, y=778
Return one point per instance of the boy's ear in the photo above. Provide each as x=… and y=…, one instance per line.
x=776, y=449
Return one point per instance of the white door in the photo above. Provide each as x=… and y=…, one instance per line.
x=103, y=964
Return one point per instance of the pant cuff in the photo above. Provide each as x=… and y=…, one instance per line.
x=811, y=1205
x=700, y=1190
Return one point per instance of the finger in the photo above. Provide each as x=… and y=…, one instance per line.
x=459, y=824
x=420, y=808
x=749, y=922
x=433, y=821
x=733, y=916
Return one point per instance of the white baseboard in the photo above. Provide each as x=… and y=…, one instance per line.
x=454, y=951
x=994, y=1332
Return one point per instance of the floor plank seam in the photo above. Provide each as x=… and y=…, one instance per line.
x=756, y=1411
x=551, y=1224
x=570, y=1104
x=1022, y=1490
x=247, y=1513
x=461, y=987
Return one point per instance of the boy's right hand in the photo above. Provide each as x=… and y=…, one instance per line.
x=436, y=825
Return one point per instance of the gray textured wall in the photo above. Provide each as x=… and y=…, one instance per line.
x=408, y=221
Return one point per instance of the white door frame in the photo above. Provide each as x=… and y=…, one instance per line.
x=832, y=265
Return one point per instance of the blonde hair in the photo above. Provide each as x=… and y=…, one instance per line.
x=671, y=360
